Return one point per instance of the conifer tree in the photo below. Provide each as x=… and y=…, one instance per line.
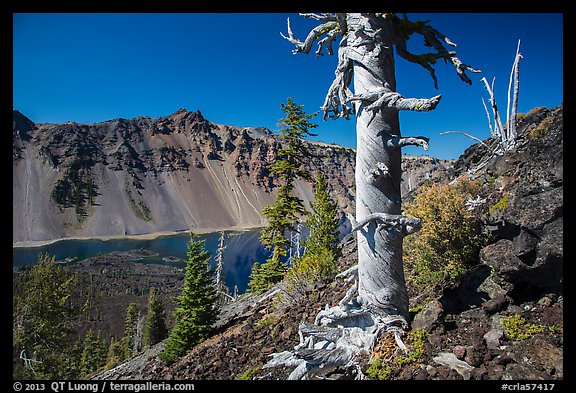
x=116, y=353
x=43, y=316
x=287, y=208
x=72, y=365
x=322, y=252
x=195, y=313
x=367, y=46
x=130, y=328
x=93, y=354
x=322, y=221
x=155, y=329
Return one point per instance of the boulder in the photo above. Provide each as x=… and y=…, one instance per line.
x=498, y=303
x=541, y=354
x=450, y=360
x=535, y=210
x=522, y=260
x=501, y=256
x=493, y=337
x=429, y=317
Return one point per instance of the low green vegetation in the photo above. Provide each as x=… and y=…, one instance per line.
x=387, y=361
x=417, y=339
x=139, y=208
x=518, y=329
x=555, y=329
x=248, y=374
x=500, y=205
x=416, y=309
x=379, y=370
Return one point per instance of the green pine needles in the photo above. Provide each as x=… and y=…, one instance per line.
x=323, y=221
x=322, y=251
x=285, y=212
x=155, y=329
x=195, y=312
x=44, y=315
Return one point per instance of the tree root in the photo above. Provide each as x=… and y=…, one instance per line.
x=340, y=336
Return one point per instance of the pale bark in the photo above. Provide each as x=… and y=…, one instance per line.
x=505, y=138
x=378, y=300
x=511, y=116
x=498, y=128
x=222, y=291
x=466, y=135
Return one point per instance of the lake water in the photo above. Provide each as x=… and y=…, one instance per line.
x=242, y=250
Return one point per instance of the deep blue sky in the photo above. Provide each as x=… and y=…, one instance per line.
x=236, y=69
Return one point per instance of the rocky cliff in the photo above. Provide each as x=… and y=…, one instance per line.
x=170, y=173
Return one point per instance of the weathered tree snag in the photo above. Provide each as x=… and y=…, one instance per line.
x=511, y=116
x=505, y=138
x=378, y=300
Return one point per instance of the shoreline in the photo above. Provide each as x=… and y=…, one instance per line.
x=141, y=236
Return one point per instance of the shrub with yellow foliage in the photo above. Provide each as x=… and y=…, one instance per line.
x=451, y=236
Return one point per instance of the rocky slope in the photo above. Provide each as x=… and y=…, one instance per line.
x=147, y=175
x=518, y=282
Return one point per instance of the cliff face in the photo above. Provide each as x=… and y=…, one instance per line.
x=148, y=175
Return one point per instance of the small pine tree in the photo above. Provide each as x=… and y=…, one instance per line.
x=195, y=313
x=264, y=275
x=73, y=362
x=322, y=221
x=320, y=259
x=93, y=354
x=116, y=354
x=130, y=329
x=44, y=313
x=284, y=213
x=155, y=329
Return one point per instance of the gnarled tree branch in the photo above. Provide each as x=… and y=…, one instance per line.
x=391, y=221
x=399, y=142
x=467, y=135
x=390, y=99
x=339, y=94
x=314, y=35
x=432, y=38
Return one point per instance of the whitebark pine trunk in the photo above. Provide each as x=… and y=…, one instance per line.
x=378, y=300
x=381, y=284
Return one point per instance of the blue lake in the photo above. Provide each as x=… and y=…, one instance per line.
x=242, y=250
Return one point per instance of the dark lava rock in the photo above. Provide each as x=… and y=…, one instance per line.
x=429, y=317
x=499, y=303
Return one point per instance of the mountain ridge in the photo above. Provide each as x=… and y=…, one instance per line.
x=147, y=175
